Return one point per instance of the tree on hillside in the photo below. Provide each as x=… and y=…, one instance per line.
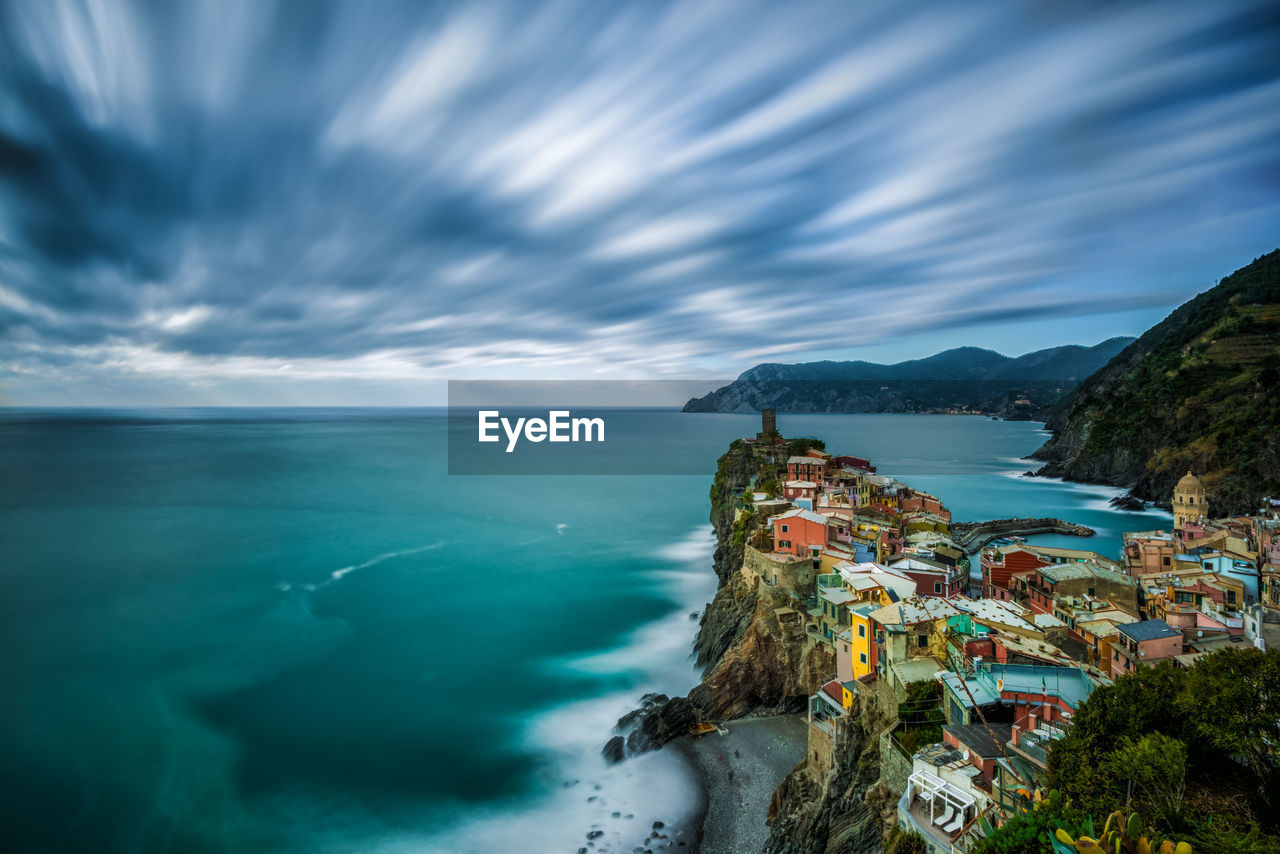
x=1154, y=770
x=1232, y=701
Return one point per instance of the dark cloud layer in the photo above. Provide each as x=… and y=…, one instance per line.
x=216, y=196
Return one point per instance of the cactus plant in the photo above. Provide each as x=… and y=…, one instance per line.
x=1119, y=836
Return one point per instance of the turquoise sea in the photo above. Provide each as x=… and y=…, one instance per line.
x=291, y=630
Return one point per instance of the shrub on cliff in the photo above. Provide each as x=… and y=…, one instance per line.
x=800, y=447
x=1212, y=726
x=905, y=843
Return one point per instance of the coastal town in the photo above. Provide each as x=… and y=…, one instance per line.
x=971, y=650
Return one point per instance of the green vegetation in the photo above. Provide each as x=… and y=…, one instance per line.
x=1200, y=391
x=905, y=843
x=920, y=715
x=1192, y=749
x=1050, y=825
x=1031, y=831
x=1119, y=834
x=800, y=447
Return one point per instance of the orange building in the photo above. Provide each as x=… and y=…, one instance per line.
x=799, y=532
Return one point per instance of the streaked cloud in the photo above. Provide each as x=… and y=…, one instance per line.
x=242, y=201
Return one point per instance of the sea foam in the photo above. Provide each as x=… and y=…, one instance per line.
x=584, y=791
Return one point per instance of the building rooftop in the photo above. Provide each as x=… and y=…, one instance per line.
x=837, y=595
x=977, y=738
x=916, y=670
x=809, y=461
x=1149, y=630
x=1070, y=684
x=801, y=513
x=995, y=611
x=921, y=564
x=1076, y=571
x=1047, y=621
x=916, y=610
x=1099, y=628
x=833, y=690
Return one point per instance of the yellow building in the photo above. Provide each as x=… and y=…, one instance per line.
x=854, y=656
x=1190, y=503
x=862, y=490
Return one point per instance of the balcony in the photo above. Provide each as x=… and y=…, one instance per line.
x=936, y=810
x=1033, y=739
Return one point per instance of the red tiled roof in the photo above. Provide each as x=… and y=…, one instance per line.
x=834, y=690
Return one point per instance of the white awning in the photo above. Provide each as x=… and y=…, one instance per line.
x=930, y=786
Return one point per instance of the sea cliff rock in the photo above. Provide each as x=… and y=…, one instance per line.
x=1200, y=390
x=769, y=668
x=753, y=664
x=836, y=814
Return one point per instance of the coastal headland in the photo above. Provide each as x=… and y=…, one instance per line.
x=766, y=651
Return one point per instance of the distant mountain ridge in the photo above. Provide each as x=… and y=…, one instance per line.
x=963, y=378
x=1200, y=390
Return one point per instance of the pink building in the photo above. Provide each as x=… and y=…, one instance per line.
x=932, y=578
x=800, y=490
x=806, y=468
x=921, y=502
x=1143, y=643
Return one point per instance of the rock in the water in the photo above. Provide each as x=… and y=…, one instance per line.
x=1128, y=502
x=615, y=749
x=595, y=834
x=658, y=725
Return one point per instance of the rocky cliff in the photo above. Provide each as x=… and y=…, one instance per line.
x=753, y=664
x=838, y=814
x=1199, y=391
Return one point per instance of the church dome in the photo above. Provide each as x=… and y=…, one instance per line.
x=1190, y=483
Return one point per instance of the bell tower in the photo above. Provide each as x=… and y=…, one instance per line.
x=1190, y=503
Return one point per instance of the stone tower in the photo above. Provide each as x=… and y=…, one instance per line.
x=768, y=421
x=1189, y=502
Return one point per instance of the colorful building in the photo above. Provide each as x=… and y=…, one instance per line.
x=806, y=468
x=1141, y=644
x=1190, y=503
x=799, y=532
x=932, y=577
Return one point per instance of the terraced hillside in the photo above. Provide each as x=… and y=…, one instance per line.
x=1198, y=391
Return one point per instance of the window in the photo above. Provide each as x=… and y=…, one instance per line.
x=937, y=587
x=922, y=640
x=784, y=529
x=862, y=632
x=1166, y=560
x=862, y=658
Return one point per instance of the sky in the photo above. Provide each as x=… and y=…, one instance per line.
x=219, y=203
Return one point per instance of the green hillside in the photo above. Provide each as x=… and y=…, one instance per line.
x=1198, y=391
